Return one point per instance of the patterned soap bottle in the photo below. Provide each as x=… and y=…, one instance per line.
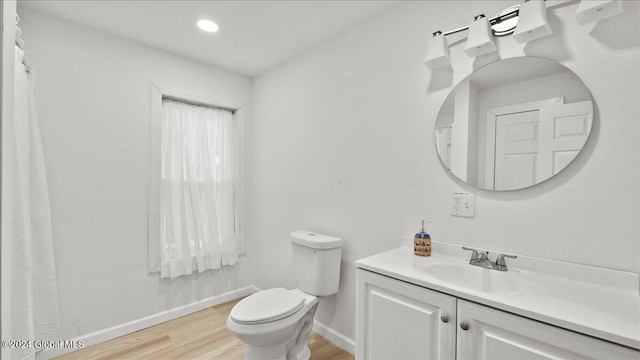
x=422, y=243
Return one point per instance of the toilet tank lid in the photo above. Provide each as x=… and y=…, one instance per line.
x=315, y=240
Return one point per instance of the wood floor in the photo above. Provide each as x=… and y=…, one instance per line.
x=201, y=335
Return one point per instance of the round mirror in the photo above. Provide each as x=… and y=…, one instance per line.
x=513, y=123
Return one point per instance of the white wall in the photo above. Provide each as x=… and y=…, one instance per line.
x=342, y=144
x=92, y=97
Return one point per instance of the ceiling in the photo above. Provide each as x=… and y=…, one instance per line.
x=254, y=35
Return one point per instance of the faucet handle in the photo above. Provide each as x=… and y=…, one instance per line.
x=475, y=252
x=500, y=259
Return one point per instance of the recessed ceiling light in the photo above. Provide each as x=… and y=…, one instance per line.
x=207, y=25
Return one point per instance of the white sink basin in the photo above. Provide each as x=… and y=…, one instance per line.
x=477, y=278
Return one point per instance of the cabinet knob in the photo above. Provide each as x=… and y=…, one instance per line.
x=444, y=318
x=464, y=325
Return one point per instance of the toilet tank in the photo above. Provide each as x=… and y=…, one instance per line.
x=316, y=260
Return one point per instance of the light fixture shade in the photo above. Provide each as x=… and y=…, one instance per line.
x=594, y=10
x=438, y=52
x=532, y=22
x=479, y=40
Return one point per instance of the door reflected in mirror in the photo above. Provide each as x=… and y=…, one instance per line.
x=513, y=123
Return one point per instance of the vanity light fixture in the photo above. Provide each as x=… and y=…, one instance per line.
x=595, y=10
x=207, y=25
x=479, y=40
x=532, y=22
x=438, y=52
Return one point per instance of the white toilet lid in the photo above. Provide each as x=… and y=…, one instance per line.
x=267, y=306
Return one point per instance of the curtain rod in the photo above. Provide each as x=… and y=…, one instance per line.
x=196, y=103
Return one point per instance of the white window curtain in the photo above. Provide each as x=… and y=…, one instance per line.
x=197, y=189
x=34, y=292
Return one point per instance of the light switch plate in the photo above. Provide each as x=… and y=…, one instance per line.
x=463, y=204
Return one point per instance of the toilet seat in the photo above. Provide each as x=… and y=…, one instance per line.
x=267, y=306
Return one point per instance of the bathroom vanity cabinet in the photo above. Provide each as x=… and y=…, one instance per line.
x=396, y=320
x=399, y=320
x=495, y=334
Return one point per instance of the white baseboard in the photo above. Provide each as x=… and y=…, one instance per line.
x=136, y=325
x=334, y=337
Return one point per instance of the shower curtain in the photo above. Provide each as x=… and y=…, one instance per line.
x=34, y=293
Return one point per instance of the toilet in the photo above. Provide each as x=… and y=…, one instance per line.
x=275, y=323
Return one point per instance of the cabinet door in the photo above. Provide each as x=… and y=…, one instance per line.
x=396, y=320
x=494, y=334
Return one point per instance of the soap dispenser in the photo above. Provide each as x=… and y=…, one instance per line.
x=422, y=243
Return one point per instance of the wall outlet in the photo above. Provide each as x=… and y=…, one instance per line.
x=456, y=204
x=463, y=204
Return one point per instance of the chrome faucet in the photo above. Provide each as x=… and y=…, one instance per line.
x=481, y=258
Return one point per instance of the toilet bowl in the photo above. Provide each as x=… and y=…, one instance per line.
x=281, y=331
x=275, y=323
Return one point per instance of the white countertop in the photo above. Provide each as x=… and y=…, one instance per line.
x=598, y=302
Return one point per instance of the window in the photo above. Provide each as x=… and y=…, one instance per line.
x=195, y=185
